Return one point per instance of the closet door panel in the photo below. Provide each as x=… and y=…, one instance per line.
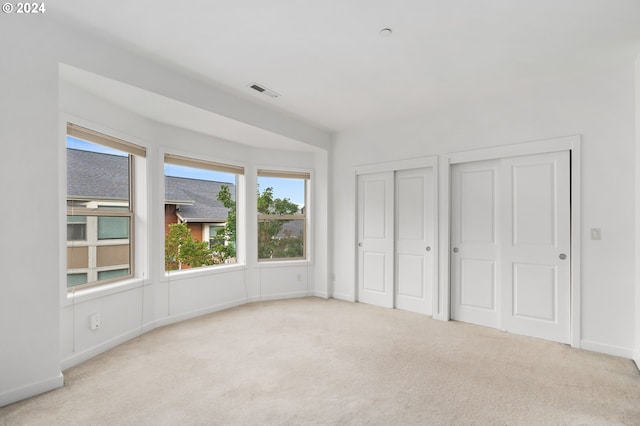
x=376, y=238
x=415, y=239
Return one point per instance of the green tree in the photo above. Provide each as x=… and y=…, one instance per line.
x=273, y=243
x=225, y=246
x=182, y=250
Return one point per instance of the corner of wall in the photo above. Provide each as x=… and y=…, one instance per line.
x=32, y=389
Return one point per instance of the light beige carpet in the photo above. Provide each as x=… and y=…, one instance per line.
x=311, y=361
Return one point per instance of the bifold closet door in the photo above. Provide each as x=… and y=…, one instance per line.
x=414, y=231
x=510, y=241
x=376, y=238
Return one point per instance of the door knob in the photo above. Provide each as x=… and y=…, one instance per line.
x=562, y=256
x=359, y=244
x=428, y=248
x=455, y=249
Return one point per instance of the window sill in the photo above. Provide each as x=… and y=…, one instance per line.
x=283, y=263
x=200, y=272
x=101, y=291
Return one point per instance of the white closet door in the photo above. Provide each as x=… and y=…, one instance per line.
x=375, y=238
x=536, y=246
x=414, y=240
x=511, y=240
x=475, y=257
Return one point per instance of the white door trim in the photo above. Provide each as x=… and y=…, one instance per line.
x=407, y=164
x=392, y=166
x=566, y=143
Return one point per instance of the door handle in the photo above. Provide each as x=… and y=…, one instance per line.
x=562, y=256
x=359, y=244
x=455, y=249
x=428, y=248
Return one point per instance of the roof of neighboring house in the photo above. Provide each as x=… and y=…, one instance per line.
x=93, y=175
x=197, y=199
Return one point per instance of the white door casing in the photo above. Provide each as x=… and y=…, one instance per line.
x=376, y=238
x=414, y=230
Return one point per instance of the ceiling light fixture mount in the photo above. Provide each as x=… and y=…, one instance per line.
x=385, y=32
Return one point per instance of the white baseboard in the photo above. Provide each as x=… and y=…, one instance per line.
x=196, y=313
x=282, y=296
x=637, y=359
x=345, y=297
x=30, y=390
x=79, y=357
x=607, y=349
x=321, y=294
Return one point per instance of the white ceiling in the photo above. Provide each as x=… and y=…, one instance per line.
x=333, y=69
x=179, y=114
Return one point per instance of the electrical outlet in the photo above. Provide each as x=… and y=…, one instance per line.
x=596, y=234
x=94, y=321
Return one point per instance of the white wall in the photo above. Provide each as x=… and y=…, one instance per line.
x=595, y=100
x=29, y=308
x=41, y=329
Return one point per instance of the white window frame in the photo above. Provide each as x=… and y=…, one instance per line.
x=92, y=213
x=304, y=216
x=198, y=162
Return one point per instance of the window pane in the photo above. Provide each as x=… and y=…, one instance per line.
x=76, y=279
x=113, y=227
x=76, y=219
x=292, y=190
x=194, y=198
x=76, y=228
x=105, y=275
x=280, y=239
x=97, y=176
x=76, y=232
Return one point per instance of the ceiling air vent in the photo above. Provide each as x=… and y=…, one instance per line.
x=265, y=91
